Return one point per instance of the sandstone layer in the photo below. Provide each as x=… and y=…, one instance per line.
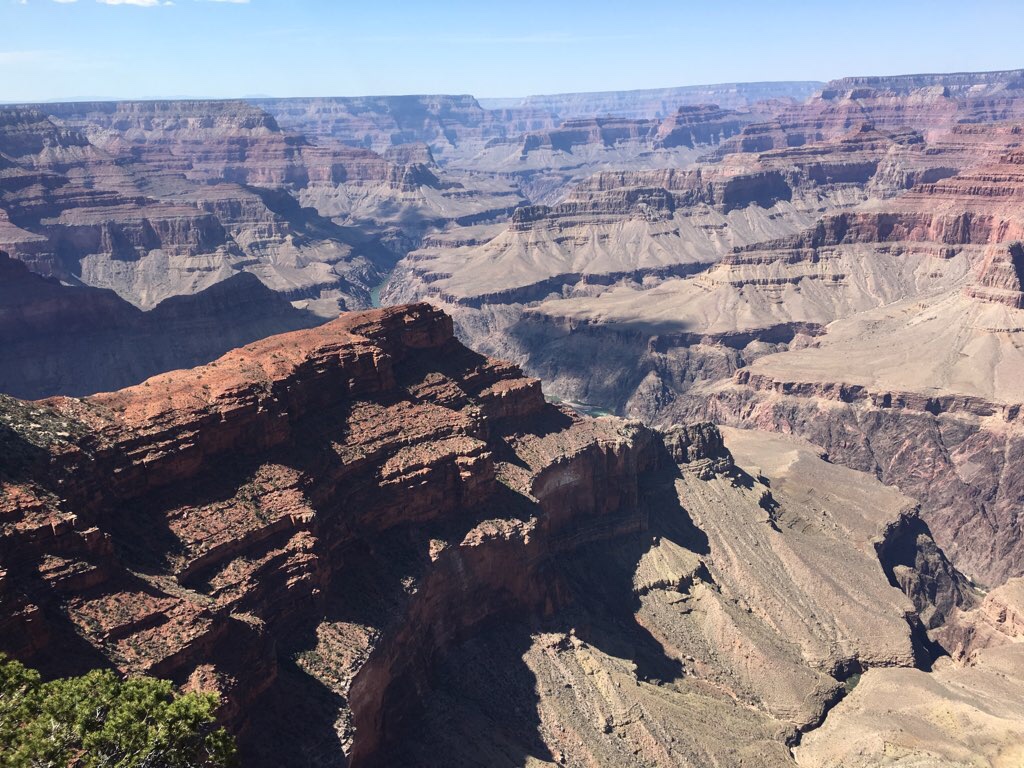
x=318, y=525
x=849, y=270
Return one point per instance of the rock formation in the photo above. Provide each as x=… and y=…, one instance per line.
x=955, y=715
x=448, y=123
x=59, y=339
x=806, y=550
x=458, y=126
x=188, y=525
x=318, y=525
x=863, y=247
x=659, y=102
x=157, y=199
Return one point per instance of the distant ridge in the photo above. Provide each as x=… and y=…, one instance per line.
x=658, y=102
x=929, y=79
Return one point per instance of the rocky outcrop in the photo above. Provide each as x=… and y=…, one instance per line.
x=997, y=621
x=312, y=525
x=699, y=125
x=700, y=447
x=208, y=523
x=891, y=713
x=597, y=130
x=1001, y=277
x=703, y=125
x=913, y=562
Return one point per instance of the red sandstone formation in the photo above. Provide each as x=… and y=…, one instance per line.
x=185, y=526
x=312, y=524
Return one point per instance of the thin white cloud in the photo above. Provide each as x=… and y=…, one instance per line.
x=25, y=57
x=34, y=62
x=539, y=38
x=142, y=3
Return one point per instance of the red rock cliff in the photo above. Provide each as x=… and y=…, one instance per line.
x=301, y=523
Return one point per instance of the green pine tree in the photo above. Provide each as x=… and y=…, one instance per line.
x=101, y=721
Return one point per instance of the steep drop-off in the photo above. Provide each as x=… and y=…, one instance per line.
x=849, y=271
x=320, y=524
x=60, y=339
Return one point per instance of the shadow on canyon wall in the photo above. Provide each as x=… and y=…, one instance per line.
x=480, y=705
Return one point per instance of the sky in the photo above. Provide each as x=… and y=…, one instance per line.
x=135, y=49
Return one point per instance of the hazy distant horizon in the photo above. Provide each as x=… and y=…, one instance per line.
x=485, y=100
x=85, y=50
x=482, y=99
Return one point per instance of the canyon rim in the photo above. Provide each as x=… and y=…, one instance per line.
x=608, y=426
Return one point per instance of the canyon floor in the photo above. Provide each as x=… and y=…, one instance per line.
x=689, y=433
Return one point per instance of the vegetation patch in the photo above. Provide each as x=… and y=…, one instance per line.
x=99, y=719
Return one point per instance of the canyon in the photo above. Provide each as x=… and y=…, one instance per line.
x=848, y=270
x=356, y=532
x=391, y=535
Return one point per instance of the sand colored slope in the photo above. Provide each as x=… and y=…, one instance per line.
x=947, y=344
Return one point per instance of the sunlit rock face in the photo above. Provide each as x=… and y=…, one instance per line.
x=319, y=524
x=848, y=269
x=383, y=545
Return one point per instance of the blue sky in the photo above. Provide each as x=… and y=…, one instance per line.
x=67, y=49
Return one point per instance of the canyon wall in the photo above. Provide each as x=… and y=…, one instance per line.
x=79, y=340
x=847, y=270
x=317, y=525
x=659, y=102
x=361, y=531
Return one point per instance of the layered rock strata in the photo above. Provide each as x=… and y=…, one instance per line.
x=459, y=126
x=659, y=102
x=209, y=523
x=931, y=104
x=75, y=340
x=313, y=524
x=718, y=636
x=156, y=199
x=856, y=283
